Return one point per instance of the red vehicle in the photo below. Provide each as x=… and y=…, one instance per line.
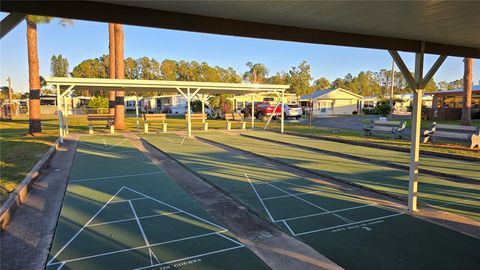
x=263, y=110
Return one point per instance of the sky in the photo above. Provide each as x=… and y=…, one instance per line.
x=86, y=40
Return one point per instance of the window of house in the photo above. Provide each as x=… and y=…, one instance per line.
x=449, y=102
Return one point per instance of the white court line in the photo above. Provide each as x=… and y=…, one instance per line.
x=288, y=195
x=326, y=213
x=117, y=176
x=150, y=252
x=166, y=139
x=103, y=148
x=349, y=224
x=84, y=226
x=130, y=219
x=288, y=227
x=135, y=248
x=178, y=209
x=134, y=199
x=182, y=141
x=188, y=258
x=259, y=198
x=230, y=239
x=312, y=204
x=81, y=153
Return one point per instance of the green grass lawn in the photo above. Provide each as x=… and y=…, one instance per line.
x=20, y=152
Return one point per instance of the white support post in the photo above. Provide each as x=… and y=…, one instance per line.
x=189, y=123
x=136, y=113
x=253, y=112
x=203, y=108
x=283, y=112
x=65, y=104
x=415, y=136
x=59, y=112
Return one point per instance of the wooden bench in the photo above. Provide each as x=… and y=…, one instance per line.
x=395, y=128
x=198, y=116
x=234, y=117
x=467, y=134
x=149, y=119
x=110, y=118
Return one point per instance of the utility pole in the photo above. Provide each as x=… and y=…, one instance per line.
x=10, y=101
x=392, y=84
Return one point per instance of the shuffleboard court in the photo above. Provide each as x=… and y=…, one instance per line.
x=350, y=230
x=122, y=212
x=467, y=169
x=437, y=192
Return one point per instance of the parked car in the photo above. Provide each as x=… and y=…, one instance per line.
x=293, y=111
x=262, y=110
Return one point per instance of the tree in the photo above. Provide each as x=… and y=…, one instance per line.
x=257, y=73
x=111, y=66
x=119, y=74
x=35, y=125
x=168, y=69
x=467, y=92
x=92, y=68
x=299, y=79
x=322, y=83
x=98, y=103
x=279, y=78
x=58, y=66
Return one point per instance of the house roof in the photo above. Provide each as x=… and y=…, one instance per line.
x=444, y=27
x=475, y=88
x=320, y=93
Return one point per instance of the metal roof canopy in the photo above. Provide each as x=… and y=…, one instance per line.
x=187, y=89
x=163, y=86
x=445, y=27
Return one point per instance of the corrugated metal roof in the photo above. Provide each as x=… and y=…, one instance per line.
x=460, y=90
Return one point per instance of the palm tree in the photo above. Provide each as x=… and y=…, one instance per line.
x=257, y=73
x=35, y=125
x=119, y=74
x=467, y=93
x=111, y=47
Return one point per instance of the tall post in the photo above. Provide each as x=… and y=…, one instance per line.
x=189, y=123
x=119, y=74
x=203, y=108
x=136, y=111
x=60, y=117
x=283, y=112
x=111, y=48
x=253, y=112
x=415, y=137
x=65, y=105
x=310, y=113
x=392, y=84
x=10, y=101
x=467, y=93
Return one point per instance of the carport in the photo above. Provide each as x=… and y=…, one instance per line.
x=441, y=28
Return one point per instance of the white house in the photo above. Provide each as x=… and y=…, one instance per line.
x=333, y=101
x=171, y=104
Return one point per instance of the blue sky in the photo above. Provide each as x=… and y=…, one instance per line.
x=90, y=39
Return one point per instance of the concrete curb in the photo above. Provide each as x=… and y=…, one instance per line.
x=19, y=195
x=387, y=147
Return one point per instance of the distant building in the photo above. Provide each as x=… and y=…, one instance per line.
x=401, y=106
x=333, y=101
x=447, y=105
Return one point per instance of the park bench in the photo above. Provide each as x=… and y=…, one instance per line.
x=149, y=119
x=109, y=118
x=467, y=134
x=198, y=116
x=234, y=117
x=395, y=128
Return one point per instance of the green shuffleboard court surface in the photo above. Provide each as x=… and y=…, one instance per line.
x=467, y=169
x=437, y=192
x=353, y=232
x=122, y=212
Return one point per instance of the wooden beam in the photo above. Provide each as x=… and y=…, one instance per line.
x=117, y=13
x=10, y=22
